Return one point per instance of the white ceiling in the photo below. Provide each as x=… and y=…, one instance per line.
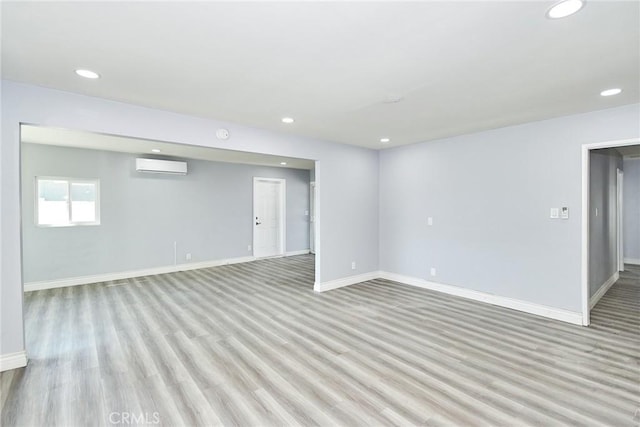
x=460, y=67
x=97, y=141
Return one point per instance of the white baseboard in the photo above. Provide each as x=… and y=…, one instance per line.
x=13, y=361
x=527, y=307
x=634, y=261
x=85, y=280
x=541, y=310
x=345, y=281
x=515, y=304
x=603, y=289
x=302, y=252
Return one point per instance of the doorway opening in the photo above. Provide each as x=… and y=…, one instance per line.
x=165, y=221
x=603, y=229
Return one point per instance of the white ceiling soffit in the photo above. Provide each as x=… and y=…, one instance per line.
x=455, y=67
x=97, y=141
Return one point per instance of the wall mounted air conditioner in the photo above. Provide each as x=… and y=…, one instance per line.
x=161, y=166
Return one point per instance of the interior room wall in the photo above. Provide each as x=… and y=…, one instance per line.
x=490, y=195
x=631, y=210
x=347, y=178
x=207, y=213
x=603, y=240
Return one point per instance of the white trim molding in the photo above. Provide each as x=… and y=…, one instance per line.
x=345, y=281
x=603, y=289
x=527, y=307
x=85, y=280
x=634, y=261
x=515, y=304
x=302, y=252
x=13, y=361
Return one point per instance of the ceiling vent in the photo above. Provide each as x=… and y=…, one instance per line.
x=161, y=166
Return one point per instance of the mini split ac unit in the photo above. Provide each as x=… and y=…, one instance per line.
x=161, y=166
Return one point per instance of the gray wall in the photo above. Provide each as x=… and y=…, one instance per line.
x=346, y=176
x=603, y=250
x=631, y=209
x=489, y=194
x=207, y=212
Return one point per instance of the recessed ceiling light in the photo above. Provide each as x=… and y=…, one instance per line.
x=155, y=150
x=283, y=163
x=611, y=92
x=564, y=8
x=88, y=74
x=287, y=120
x=384, y=140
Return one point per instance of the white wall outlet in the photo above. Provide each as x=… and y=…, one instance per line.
x=306, y=213
x=432, y=271
x=353, y=265
x=564, y=212
x=596, y=211
x=430, y=221
x=555, y=213
x=188, y=257
x=249, y=247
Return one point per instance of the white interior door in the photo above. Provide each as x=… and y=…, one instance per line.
x=312, y=218
x=268, y=217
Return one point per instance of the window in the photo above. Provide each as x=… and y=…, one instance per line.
x=67, y=201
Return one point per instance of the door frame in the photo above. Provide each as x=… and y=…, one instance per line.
x=282, y=204
x=313, y=217
x=586, y=205
x=619, y=217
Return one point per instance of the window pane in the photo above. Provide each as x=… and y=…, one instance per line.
x=52, y=202
x=83, y=202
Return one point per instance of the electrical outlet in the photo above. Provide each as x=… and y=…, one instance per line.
x=429, y=221
x=188, y=257
x=353, y=265
x=432, y=271
x=306, y=213
x=249, y=248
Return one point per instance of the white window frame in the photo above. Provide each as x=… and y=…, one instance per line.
x=70, y=181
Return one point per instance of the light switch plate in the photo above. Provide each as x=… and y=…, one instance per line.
x=430, y=221
x=564, y=212
x=555, y=213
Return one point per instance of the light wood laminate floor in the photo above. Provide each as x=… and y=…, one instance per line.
x=252, y=345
